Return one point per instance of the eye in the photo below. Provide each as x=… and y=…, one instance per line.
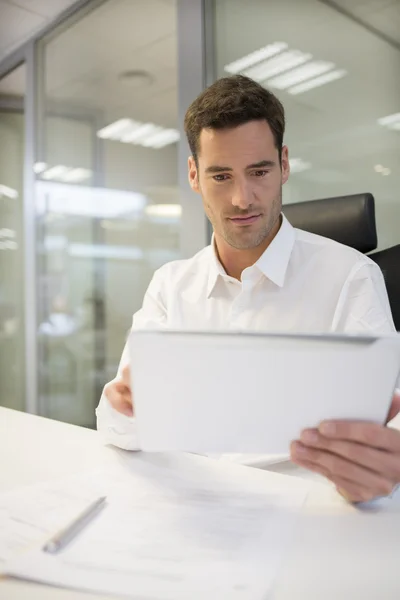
x=221, y=177
x=260, y=173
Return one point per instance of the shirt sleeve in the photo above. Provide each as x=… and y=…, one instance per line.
x=114, y=427
x=363, y=305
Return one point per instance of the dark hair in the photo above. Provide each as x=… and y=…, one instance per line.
x=230, y=102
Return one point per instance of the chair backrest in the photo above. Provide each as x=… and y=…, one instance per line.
x=389, y=262
x=349, y=220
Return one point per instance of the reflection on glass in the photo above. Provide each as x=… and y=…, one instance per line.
x=12, y=369
x=106, y=192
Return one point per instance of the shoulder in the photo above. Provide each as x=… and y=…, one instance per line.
x=179, y=270
x=332, y=254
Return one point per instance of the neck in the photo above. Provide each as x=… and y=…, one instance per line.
x=235, y=260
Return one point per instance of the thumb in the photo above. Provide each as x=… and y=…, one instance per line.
x=395, y=406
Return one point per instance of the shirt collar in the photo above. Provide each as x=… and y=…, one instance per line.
x=272, y=263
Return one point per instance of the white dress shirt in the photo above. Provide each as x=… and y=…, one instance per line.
x=302, y=283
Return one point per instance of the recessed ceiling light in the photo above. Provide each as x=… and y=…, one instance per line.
x=55, y=173
x=255, y=57
x=143, y=134
x=300, y=74
x=274, y=66
x=317, y=81
x=5, y=232
x=391, y=121
x=382, y=170
x=77, y=175
x=286, y=69
x=66, y=174
x=39, y=167
x=115, y=130
x=8, y=192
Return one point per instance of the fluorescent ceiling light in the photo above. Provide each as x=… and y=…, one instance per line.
x=255, y=57
x=140, y=133
x=116, y=129
x=66, y=174
x=278, y=64
x=391, y=121
x=5, y=232
x=298, y=165
x=39, y=167
x=317, y=81
x=300, y=74
x=143, y=134
x=76, y=175
x=56, y=172
x=8, y=192
x=8, y=245
x=162, y=138
x=164, y=210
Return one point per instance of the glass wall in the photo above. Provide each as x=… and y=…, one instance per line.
x=12, y=346
x=338, y=77
x=106, y=190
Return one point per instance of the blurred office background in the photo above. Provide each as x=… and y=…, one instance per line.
x=93, y=190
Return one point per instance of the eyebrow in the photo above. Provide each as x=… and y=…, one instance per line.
x=258, y=165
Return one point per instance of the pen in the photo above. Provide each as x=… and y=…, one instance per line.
x=62, y=537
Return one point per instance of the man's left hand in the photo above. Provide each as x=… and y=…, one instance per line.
x=361, y=459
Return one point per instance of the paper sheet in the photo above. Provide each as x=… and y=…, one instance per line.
x=173, y=528
x=33, y=513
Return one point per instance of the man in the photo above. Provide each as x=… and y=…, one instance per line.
x=261, y=274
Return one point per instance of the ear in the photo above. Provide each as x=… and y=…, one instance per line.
x=285, y=164
x=193, y=175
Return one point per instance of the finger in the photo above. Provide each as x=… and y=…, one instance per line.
x=395, y=406
x=380, y=461
x=369, y=434
x=315, y=468
x=350, y=491
x=343, y=468
x=126, y=376
x=119, y=397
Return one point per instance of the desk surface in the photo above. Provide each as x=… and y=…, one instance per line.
x=338, y=551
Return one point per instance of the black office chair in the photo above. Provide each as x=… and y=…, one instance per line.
x=350, y=220
x=389, y=262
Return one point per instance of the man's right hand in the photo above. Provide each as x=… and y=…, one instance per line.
x=118, y=393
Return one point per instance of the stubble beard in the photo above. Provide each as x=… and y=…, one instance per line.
x=248, y=237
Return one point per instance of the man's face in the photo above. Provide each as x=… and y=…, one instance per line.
x=240, y=179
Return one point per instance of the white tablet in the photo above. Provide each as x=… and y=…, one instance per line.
x=209, y=392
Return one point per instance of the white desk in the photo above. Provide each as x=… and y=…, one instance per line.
x=338, y=551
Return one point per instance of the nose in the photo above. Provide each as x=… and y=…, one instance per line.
x=242, y=196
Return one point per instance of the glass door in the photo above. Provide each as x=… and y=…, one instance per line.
x=12, y=148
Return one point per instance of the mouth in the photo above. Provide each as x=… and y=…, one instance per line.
x=247, y=220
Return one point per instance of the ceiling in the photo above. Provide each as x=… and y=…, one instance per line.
x=382, y=16
x=82, y=72
x=21, y=19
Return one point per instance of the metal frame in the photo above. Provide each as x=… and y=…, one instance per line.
x=192, y=80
